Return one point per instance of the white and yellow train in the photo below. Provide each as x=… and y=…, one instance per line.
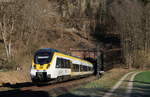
x=50, y=64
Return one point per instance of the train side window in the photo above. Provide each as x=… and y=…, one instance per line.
x=75, y=68
x=81, y=68
x=67, y=63
x=87, y=68
x=90, y=69
x=78, y=68
x=58, y=63
x=63, y=63
x=70, y=63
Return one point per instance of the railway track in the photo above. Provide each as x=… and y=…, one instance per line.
x=53, y=89
x=64, y=85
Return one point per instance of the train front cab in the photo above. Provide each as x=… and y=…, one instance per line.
x=41, y=66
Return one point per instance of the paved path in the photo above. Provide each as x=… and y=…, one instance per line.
x=116, y=86
x=128, y=91
x=130, y=85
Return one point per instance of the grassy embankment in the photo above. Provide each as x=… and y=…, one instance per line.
x=142, y=85
x=98, y=87
x=12, y=77
x=143, y=77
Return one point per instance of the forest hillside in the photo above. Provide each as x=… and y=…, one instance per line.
x=27, y=25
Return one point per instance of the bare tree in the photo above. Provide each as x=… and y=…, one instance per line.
x=7, y=24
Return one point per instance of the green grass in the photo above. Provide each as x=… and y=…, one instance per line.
x=143, y=77
x=142, y=85
x=101, y=86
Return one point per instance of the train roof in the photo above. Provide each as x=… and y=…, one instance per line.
x=54, y=50
x=47, y=50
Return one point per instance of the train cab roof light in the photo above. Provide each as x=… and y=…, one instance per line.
x=49, y=49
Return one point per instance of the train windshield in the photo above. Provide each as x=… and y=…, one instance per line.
x=43, y=57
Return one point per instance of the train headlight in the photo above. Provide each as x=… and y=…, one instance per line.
x=48, y=66
x=34, y=66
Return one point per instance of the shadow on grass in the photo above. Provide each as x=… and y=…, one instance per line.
x=62, y=92
x=40, y=84
x=93, y=92
x=18, y=93
x=18, y=85
x=72, y=95
x=29, y=93
x=141, y=90
x=80, y=92
x=26, y=84
x=140, y=82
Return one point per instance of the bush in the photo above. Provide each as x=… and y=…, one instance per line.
x=8, y=65
x=141, y=59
